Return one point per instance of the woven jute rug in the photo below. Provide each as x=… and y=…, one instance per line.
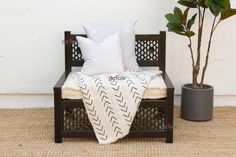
x=30, y=133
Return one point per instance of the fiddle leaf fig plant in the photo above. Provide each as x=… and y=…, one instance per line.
x=180, y=22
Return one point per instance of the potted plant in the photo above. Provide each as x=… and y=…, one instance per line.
x=197, y=97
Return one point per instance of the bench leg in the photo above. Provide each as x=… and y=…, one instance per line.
x=57, y=116
x=169, y=136
x=58, y=140
x=169, y=116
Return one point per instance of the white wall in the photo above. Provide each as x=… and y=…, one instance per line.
x=31, y=52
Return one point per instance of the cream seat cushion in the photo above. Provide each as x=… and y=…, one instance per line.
x=156, y=89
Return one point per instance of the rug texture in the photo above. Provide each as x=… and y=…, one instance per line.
x=30, y=133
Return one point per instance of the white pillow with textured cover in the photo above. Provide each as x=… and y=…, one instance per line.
x=127, y=36
x=102, y=57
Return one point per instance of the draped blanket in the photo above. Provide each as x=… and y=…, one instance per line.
x=111, y=101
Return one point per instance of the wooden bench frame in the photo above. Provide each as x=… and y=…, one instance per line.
x=166, y=104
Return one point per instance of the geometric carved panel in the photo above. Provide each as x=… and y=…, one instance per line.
x=146, y=50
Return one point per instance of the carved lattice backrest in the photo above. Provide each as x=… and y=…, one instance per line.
x=149, y=49
x=146, y=50
x=76, y=53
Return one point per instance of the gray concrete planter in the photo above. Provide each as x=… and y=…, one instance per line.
x=197, y=104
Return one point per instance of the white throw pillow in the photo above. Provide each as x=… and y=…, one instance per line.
x=101, y=57
x=127, y=36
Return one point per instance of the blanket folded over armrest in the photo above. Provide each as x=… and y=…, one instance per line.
x=112, y=100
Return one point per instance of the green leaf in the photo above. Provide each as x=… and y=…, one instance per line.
x=171, y=25
x=185, y=16
x=227, y=13
x=191, y=22
x=188, y=3
x=175, y=29
x=177, y=25
x=202, y=4
x=213, y=6
x=173, y=18
x=178, y=12
x=224, y=4
x=217, y=6
x=190, y=34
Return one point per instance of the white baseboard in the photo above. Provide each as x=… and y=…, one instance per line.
x=26, y=100
x=46, y=100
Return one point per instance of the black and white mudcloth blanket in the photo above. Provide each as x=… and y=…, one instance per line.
x=111, y=101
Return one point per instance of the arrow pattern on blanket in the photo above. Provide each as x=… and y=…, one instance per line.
x=91, y=109
x=111, y=104
x=109, y=110
x=133, y=90
x=122, y=103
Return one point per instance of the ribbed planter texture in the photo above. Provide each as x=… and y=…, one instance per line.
x=197, y=104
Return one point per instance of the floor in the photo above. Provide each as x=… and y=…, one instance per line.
x=29, y=133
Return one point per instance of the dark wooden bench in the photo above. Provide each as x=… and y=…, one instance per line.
x=154, y=117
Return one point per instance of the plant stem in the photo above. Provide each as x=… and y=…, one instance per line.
x=191, y=51
x=216, y=25
x=213, y=28
x=196, y=68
